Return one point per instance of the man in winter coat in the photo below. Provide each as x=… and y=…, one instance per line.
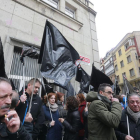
x=10, y=127
x=104, y=114
x=36, y=109
x=133, y=113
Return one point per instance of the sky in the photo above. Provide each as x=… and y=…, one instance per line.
x=114, y=19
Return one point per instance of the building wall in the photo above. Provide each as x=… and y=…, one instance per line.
x=134, y=64
x=23, y=21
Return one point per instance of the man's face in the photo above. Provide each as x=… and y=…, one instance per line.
x=108, y=93
x=5, y=98
x=36, y=88
x=134, y=103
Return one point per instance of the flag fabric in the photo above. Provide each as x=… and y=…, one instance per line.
x=70, y=90
x=83, y=78
x=2, y=64
x=128, y=89
x=47, y=86
x=57, y=56
x=98, y=77
x=116, y=87
x=30, y=52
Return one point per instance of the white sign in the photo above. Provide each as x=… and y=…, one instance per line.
x=83, y=60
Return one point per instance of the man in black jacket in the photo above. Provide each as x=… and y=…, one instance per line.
x=36, y=109
x=10, y=128
x=133, y=113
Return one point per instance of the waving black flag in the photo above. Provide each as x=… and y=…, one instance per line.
x=2, y=65
x=98, y=77
x=30, y=52
x=57, y=56
x=83, y=78
x=116, y=87
x=128, y=89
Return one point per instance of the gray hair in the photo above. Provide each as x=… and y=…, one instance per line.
x=133, y=94
x=2, y=79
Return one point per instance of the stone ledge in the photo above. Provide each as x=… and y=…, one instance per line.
x=76, y=24
x=88, y=8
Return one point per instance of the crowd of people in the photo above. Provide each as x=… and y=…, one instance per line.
x=99, y=116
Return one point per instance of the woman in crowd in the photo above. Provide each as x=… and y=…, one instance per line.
x=51, y=115
x=82, y=105
x=72, y=121
x=60, y=100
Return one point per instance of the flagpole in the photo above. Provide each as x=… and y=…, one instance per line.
x=127, y=90
x=23, y=77
x=47, y=99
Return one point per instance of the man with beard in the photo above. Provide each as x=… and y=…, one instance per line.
x=10, y=127
x=104, y=114
x=36, y=109
x=133, y=113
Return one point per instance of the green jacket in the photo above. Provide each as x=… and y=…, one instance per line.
x=103, y=117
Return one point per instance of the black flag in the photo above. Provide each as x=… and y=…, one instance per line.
x=83, y=78
x=47, y=87
x=70, y=90
x=30, y=52
x=57, y=56
x=116, y=87
x=2, y=64
x=98, y=77
x=128, y=89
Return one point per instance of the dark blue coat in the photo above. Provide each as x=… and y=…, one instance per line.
x=54, y=132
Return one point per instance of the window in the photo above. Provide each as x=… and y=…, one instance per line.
x=116, y=68
x=129, y=43
x=114, y=57
x=136, y=55
x=118, y=78
x=120, y=52
x=122, y=64
x=129, y=59
x=106, y=63
x=108, y=70
x=132, y=72
x=126, y=46
x=70, y=12
x=53, y=3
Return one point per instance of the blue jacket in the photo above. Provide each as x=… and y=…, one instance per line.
x=54, y=132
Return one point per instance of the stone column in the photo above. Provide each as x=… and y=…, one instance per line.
x=62, y=5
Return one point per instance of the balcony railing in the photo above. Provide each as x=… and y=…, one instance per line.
x=111, y=72
x=88, y=3
x=108, y=65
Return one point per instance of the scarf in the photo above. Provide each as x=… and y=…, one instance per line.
x=135, y=116
x=53, y=107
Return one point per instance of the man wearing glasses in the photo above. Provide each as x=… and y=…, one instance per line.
x=104, y=114
x=130, y=130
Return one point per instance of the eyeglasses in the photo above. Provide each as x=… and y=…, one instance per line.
x=132, y=102
x=109, y=92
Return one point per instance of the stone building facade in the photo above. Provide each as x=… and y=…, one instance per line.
x=23, y=21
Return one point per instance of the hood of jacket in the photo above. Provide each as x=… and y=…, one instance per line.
x=91, y=96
